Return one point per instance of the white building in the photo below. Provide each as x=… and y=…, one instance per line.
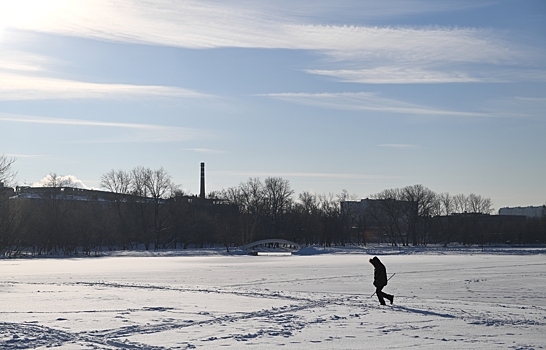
x=530, y=212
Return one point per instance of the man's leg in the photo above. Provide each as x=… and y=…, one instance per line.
x=389, y=297
x=380, y=295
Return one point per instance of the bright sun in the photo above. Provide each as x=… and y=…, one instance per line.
x=27, y=14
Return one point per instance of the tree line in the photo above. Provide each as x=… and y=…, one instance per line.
x=146, y=209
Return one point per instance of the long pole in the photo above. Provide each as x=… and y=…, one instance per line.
x=388, y=279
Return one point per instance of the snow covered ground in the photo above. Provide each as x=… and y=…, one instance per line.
x=449, y=299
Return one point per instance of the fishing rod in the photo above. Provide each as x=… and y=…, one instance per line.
x=388, y=279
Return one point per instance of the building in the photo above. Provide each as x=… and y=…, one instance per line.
x=381, y=220
x=71, y=194
x=477, y=228
x=529, y=212
x=5, y=192
x=356, y=209
x=86, y=195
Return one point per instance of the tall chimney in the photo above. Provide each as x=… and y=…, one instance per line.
x=202, y=193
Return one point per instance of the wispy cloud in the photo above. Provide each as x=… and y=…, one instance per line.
x=23, y=76
x=134, y=132
x=285, y=25
x=12, y=60
x=412, y=75
x=399, y=75
x=26, y=87
x=208, y=24
x=27, y=155
x=532, y=99
x=205, y=150
x=403, y=44
x=399, y=146
x=355, y=53
x=308, y=175
x=362, y=10
x=366, y=101
x=523, y=107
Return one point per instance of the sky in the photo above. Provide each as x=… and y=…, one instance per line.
x=360, y=95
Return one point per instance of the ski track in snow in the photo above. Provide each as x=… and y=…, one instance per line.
x=341, y=318
x=282, y=320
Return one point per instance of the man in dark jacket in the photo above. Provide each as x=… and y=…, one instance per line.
x=380, y=280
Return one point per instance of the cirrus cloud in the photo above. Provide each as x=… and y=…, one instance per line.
x=366, y=101
x=25, y=87
x=128, y=132
x=210, y=24
x=354, y=53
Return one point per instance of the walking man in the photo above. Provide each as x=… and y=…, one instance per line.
x=380, y=280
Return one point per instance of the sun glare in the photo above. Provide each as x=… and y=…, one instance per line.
x=28, y=14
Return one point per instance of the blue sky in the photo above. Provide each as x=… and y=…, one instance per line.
x=355, y=95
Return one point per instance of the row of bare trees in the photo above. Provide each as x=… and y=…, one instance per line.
x=8, y=221
x=155, y=185
x=262, y=206
x=405, y=215
x=145, y=208
x=268, y=210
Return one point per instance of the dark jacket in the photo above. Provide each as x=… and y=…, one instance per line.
x=380, y=273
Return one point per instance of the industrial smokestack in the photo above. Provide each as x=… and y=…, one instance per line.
x=202, y=192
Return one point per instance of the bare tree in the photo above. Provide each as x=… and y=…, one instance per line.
x=479, y=204
x=307, y=214
x=460, y=203
x=54, y=180
x=422, y=196
x=249, y=199
x=160, y=187
x=350, y=220
x=139, y=209
x=446, y=206
x=8, y=213
x=419, y=209
x=446, y=203
x=151, y=188
x=261, y=204
x=7, y=174
x=278, y=199
x=346, y=196
x=120, y=183
x=159, y=184
x=331, y=219
x=57, y=211
x=388, y=213
x=117, y=181
x=139, y=177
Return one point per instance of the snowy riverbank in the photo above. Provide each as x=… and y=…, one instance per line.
x=371, y=249
x=455, y=298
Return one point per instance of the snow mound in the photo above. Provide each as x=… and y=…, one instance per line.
x=311, y=251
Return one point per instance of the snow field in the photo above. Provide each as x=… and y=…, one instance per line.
x=448, y=301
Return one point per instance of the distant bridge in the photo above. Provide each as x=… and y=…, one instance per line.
x=272, y=246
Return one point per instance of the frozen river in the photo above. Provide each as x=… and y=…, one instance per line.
x=448, y=300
